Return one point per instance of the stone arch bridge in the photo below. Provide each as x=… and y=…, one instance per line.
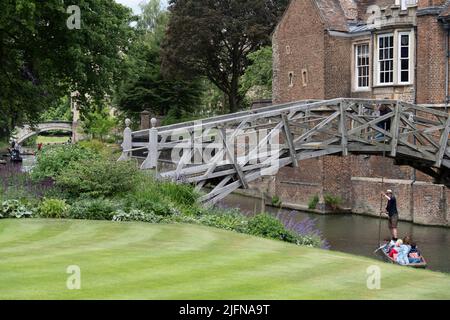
x=228, y=152
x=27, y=131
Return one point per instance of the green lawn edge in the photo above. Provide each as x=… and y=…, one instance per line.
x=177, y=261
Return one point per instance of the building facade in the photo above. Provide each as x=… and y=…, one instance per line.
x=379, y=49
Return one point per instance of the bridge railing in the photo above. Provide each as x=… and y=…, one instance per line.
x=235, y=149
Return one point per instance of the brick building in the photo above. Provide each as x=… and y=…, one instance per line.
x=395, y=49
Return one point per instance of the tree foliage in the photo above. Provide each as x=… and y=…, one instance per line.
x=41, y=59
x=214, y=38
x=257, y=79
x=98, y=124
x=146, y=88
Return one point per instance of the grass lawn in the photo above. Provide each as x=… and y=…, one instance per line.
x=145, y=261
x=52, y=139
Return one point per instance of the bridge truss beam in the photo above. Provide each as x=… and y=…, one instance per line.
x=229, y=152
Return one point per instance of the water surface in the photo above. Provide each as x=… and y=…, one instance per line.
x=358, y=234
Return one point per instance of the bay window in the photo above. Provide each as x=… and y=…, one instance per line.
x=394, y=58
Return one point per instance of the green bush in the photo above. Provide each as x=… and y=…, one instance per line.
x=14, y=209
x=276, y=201
x=181, y=194
x=53, y=208
x=137, y=215
x=313, y=202
x=93, y=209
x=334, y=202
x=97, y=178
x=52, y=160
x=150, y=203
x=231, y=222
x=161, y=198
x=93, y=145
x=310, y=241
x=266, y=226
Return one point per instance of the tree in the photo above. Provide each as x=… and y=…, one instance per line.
x=146, y=87
x=213, y=38
x=257, y=79
x=42, y=59
x=98, y=124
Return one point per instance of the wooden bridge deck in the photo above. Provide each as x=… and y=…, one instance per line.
x=233, y=150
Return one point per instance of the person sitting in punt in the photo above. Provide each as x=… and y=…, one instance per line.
x=400, y=253
x=414, y=254
x=391, y=245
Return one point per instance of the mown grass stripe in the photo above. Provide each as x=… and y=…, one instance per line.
x=144, y=261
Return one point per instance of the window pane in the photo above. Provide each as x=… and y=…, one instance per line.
x=405, y=52
x=405, y=40
x=405, y=76
x=405, y=64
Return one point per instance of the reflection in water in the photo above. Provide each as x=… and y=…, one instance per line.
x=359, y=234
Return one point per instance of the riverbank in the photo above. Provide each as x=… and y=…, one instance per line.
x=357, y=234
x=146, y=261
x=442, y=220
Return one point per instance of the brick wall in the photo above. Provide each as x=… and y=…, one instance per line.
x=298, y=45
x=299, y=185
x=367, y=197
x=431, y=206
x=337, y=178
x=338, y=56
x=430, y=3
x=431, y=62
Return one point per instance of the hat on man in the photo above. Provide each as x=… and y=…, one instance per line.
x=390, y=191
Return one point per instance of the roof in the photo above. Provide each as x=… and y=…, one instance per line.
x=332, y=14
x=445, y=13
x=356, y=28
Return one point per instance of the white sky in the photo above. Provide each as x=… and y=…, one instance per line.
x=134, y=4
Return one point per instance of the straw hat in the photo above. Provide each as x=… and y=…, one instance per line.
x=389, y=191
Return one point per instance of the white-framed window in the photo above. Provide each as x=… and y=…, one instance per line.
x=362, y=66
x=386, y=59
x=404, y=57
x=394, y=56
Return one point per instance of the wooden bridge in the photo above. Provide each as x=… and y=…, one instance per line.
x=228, y=152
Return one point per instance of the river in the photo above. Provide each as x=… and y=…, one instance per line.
x=358, y=234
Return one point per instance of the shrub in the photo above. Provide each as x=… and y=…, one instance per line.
x=333, y=202
x=307, y=234
x=93, y=209
x=93, y=145
x=313, y=202
x=53, y=208
x=14, y=209
x=231, y=222
x=267, y=226
x=276, y=201
x=97, y=178
x=160, y=198
x=182, y=194
x=52, y=160
x=137, y=215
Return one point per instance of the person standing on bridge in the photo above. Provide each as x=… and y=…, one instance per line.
x=392, y=212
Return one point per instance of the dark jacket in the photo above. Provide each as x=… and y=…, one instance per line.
x=392, y=206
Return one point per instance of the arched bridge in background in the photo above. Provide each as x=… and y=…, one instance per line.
x=27, y=131
x=416, y=135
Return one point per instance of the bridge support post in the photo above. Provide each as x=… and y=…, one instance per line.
x=151, y=162
x=127, y=144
